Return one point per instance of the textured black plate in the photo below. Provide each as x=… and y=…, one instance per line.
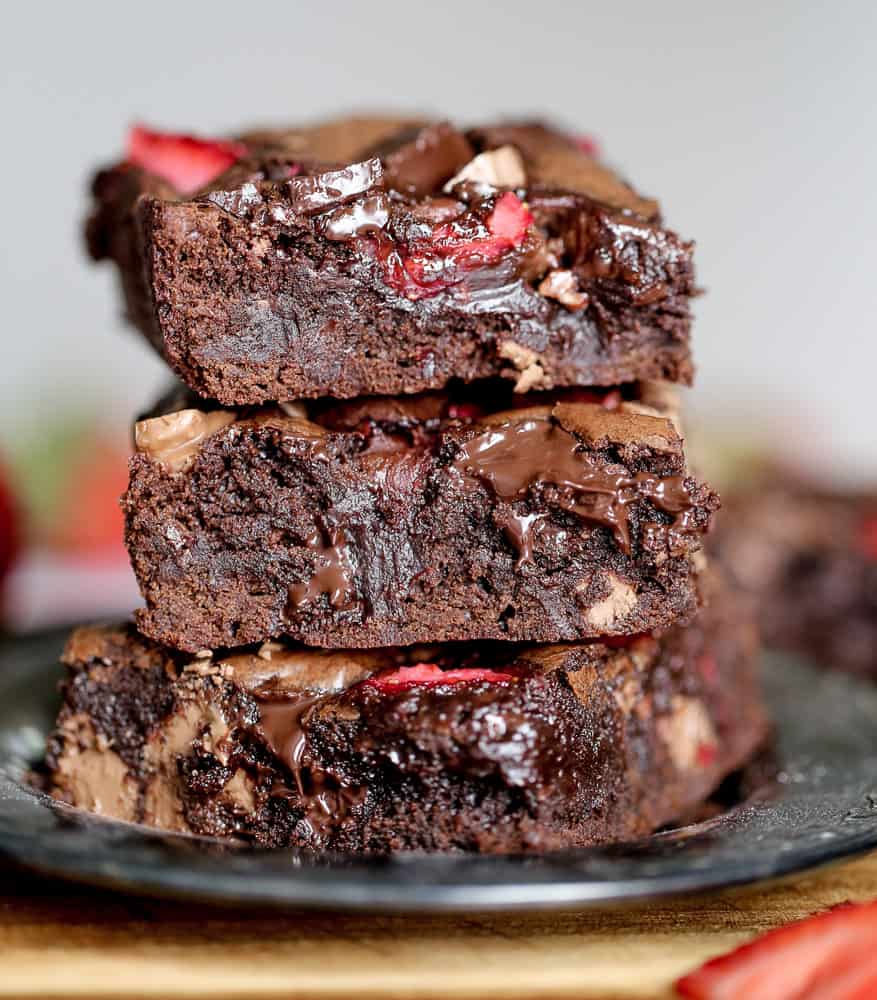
x=823, y=807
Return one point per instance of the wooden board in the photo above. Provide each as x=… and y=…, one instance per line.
x=58, y=941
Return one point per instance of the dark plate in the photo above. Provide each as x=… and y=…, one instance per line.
x=823, y=807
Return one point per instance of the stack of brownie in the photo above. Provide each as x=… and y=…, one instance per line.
x=418, y=544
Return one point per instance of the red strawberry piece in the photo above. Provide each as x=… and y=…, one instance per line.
x=9, y=529
x=184, y=161
x=464, y=411
x=706, y=754
x=463, y=244
x=868, y=536
x=829, y=956
x=587, y=144
x=856, y=983
x=431, y=675
x=510, y=219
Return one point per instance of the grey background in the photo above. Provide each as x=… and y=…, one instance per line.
x=753, y=123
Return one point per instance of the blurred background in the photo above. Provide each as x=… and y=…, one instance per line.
x=753, y=124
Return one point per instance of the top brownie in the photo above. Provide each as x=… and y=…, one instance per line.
x=375, y=256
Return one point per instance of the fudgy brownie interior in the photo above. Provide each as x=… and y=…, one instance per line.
x=396, y=521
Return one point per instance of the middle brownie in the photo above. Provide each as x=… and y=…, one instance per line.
x=393, y=521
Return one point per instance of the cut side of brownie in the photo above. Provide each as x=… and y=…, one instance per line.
x=388, y=522
x=373, y=256
x=490, y=747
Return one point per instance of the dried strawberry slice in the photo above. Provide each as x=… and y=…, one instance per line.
x=432, y=675
x=184, y=161
x=830, y=955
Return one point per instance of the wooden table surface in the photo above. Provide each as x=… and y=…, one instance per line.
x=62, y=941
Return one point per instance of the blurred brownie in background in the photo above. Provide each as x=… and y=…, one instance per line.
x=808, y=559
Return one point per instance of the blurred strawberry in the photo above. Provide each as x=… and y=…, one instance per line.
x=826, y=957
x=9, y=528
x=88, y=522
x=70, y=474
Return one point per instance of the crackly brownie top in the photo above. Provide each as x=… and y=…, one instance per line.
x=434, y=207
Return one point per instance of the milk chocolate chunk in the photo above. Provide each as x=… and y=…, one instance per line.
x=409, y=749
x=441, y=517
x=383, y=257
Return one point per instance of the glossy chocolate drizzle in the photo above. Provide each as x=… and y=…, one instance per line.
x=325, y=801
x=281, y=722
x=514, y=456
x=522, y=531
x=332, y=574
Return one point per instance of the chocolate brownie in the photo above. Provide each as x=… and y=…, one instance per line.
x=491, y=747
x=808, y=560
x=370, y=256
x=386, y=522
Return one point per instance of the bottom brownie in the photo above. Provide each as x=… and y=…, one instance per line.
x=473, y=747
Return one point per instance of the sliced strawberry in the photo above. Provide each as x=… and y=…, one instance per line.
x=431, y=675
x=856, y=983
x=621, y=641
x=808, y=960
x=706, y=754
x=184, y=161
x=868, y=537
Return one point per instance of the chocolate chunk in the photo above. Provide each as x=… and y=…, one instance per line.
x=313, y=193
x=418, y=162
